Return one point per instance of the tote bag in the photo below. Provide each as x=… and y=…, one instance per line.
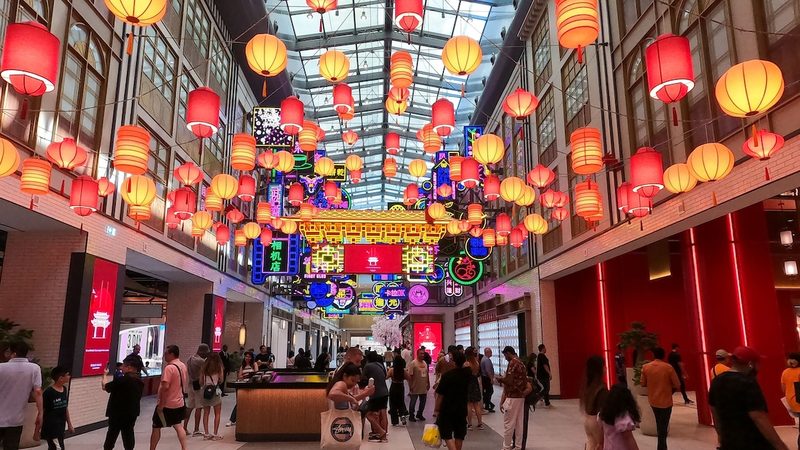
x=341, y=429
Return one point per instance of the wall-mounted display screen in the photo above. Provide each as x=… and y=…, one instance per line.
x=373, y=258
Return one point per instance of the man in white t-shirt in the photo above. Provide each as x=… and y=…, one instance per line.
x=19, y=381
x=406, y=354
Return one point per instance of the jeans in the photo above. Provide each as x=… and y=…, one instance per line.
x=545, y=390
x=397, y=402
x=10, y=436
x=233, y=414
x=662, y=425
x=683, y=389
x=488, y=390
x=423, y=398
x=115, y=428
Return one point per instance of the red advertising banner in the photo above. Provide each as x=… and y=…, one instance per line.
x=373, y=258
x=428, y=334
x=219, y=324
x=99, y=324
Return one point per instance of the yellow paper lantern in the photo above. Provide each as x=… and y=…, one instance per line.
x=535, y=224
x=284, y=161
x=139, y=213
x=749, y=88
x=138, y=13
x=138, y=190
x=35, y=179
x=527, y=198
x=453, y=227
x=354, y=162
x=266, y=56
x=213, y=201
x=324, y=167
x=243, y=152
x=488, y=149
x=678, y=178
x=251, y=230
x=225, y=186
x=512, y=188
x=395, y=108
x=461, y=55
x=9, y=158
x=710, y=162
x=418, y=168
x=334, y=66
x=436, y=211
x=289, y=226
x=202, y=220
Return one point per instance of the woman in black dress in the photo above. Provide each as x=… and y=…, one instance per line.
x=474, y=391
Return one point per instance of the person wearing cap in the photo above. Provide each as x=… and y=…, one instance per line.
x=789, y=378
x=661, y=382
x=512, y=404
x=739, y=408
x=723, y=363
x=122, y=410
x=195, y=398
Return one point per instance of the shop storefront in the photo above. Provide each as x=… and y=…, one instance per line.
x=281, y=322
x=425, y=330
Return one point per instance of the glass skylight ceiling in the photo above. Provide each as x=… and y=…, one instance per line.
x=364, y=30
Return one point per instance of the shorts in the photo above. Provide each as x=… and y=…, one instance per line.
x=172, y=416
x=194, y=399
x=377, y=404
x=452, y=428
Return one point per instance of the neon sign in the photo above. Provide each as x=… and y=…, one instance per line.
x=418, y=295
x=418, y=259
x=471, y=134
x=465, y=270
x=372, y=258
x=282, y=257
x=267, y=130
x=367, y=306
x=476, y=250
x=328, y=259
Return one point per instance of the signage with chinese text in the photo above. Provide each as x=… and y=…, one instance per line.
x=476, y=250
x=373, y=258
x=465, y=270
x=281, y=257
x=218, y=323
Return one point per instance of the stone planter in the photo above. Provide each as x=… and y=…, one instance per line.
x=26, y=441
x=648, y=424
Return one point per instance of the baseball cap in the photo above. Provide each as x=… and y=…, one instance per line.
x=746, y=354
x=722, y=354
x=509, y=349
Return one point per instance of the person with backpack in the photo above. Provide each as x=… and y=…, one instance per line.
x=171, y=404
x=211, y=376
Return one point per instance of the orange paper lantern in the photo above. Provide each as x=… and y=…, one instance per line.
x=132, y=149
x=350, y=137
x=511, y=188
x=234, y=215
x=678, y=178
x=9, y=158
x=401, y=72
x=436, y=211
x=527, y=198
x=239, y=239
x=398, y=94
x=749, y=88
x=488, y=149
x=307, y=138
x=284, y=161
x=324, y=167
x=541, y=176
x=763, y=145
x=251, y=230
x=289, y=227
x=66, y=154
x=489, y=237
x=267, y=159
x=588, y=201
x=397, y=109
x=213, y=202
x=266, y=56
x=559, y=214
x=417, y=168
x=188, y=173
x=263, y=212
x=710, y=162
x=202, y=220
x=105, y=187
x=243, y=152
x=475, y=214
x=577, y=22
x=587, y=151
x=225, y=186
x=354, y=162
x=520, y=104
x=139, y=213
x=445, y=190
x=535, y=224
x=138, y=190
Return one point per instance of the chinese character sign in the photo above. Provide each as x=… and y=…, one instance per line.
x=281, y=257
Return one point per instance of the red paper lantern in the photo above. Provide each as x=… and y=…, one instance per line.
x=265, y=237
x=624, y=192
x=171, y=219
x=491, y=187
x=184, y=203
x=247, y=188
x=541, y=177
x=670, y=75
x=470, y=172
x=350, y=137
x=476, y=232
x=356, y=176
x=638, y=205
x=188, y=173
x=296, y=194
x=83, y=196
x=516, y=238
x=330, y=190
x=276, y=223
x=445, y=190
x=549, y=198
x=292, y=115
x=502, y=223
x=234, y=215
x=561, y=199
x=105, y=187
x=399, y=94
x=392, y=143
x=223, y=234
x=520, y=104
x=763, y=145
x=202, y=112
x=647, y=172
x=66, y=154
x=559, y=214
x=408, y=14
x=30, y=58
x=443, y=117
x=267, y=159
x=411, y=193
x=342, y=98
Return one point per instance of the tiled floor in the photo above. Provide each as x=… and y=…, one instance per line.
x=557, y=428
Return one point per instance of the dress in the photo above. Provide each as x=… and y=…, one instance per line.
x=212, y=380
x=612, y=434
x=474, y=393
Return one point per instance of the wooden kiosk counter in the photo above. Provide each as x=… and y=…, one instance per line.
x=285, y=408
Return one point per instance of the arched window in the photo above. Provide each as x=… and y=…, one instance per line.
x=82, y=96
x=782, y=24
x=33, y=10
x=647, y=117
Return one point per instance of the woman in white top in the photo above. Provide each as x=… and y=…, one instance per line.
x=210, y=377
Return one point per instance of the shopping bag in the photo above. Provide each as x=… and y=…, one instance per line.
x=341, y=429
x=431, y=436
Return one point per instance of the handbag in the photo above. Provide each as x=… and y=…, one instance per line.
x=210, y=390
x=431, y=436
x=341, y=429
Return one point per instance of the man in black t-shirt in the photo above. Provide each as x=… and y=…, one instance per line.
x=739, y=407
x=451, y=403
x=674, y=359
x=543, y=373
x=265, y=359
x=123, y=405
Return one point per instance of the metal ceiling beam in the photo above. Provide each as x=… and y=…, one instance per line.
x=365, y=36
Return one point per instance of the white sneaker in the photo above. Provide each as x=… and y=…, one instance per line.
x=230, y=424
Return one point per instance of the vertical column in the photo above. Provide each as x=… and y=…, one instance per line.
x=185, y=309
x=602, y=294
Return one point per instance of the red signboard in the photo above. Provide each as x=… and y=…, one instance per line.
x=373, y=258
x=99, y=323
x=428, y=334
x=219, y=324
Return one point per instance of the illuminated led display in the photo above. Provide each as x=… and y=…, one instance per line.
x=367, y=306
x=465, y=270
x=373, y=258
x=267, y=130
x=327, y=259
x=418, y=259
x=428, y=335
x=471, y=133
x=282, y=257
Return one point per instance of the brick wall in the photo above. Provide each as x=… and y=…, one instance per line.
x=233, y=320
x=184, y=325
x=34, y=284
x=87, y=401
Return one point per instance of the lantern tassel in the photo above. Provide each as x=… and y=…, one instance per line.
x=766, y=173
x=31, y=205
x=674, y=116
x=580, y=55
x=463, y=90
x=23, y=109
x=264, y=88
x=755, y=136
x=129, y=47
x=714, y=198
x=641, y=225
x=409, y=38
x=62, y=187
x=320, y=23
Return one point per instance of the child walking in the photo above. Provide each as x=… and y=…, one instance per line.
x=619, y=416
x=56, y=414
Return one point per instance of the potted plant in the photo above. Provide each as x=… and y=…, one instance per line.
x=641, y=341
x=10, y=333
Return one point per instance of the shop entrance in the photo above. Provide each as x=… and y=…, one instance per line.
x=143, y=319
